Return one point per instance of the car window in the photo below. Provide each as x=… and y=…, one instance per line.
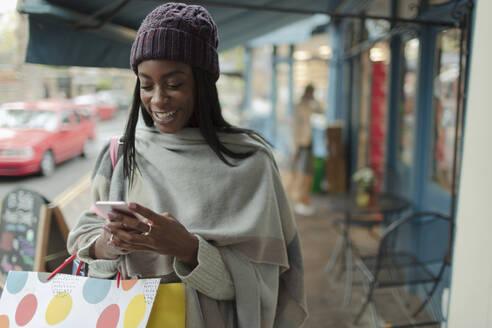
x=83, y=113
x=27, y=119
x=76, y=116
x=65, y=119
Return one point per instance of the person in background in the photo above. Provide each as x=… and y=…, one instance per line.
x=215, y=215
x=303, y=159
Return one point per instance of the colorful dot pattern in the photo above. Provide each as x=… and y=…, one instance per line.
x=61, y=305
x=95, y=290
x=26, y=309
x=15, y=283
x=135, y=312
x=109, y=317
x=4, y=321
x=58, y=308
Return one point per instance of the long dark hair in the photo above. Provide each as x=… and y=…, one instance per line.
x=207, y=117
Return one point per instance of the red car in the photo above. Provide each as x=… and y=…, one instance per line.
x=36, y=135
x=103, y=110
x=87, y=120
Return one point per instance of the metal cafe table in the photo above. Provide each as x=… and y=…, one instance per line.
x=388, y=205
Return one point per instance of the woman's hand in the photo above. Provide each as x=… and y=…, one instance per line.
x=103, y=248
x=162, y=233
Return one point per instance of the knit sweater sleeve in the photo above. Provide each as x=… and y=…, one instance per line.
x=210, y=276
x=89, y=225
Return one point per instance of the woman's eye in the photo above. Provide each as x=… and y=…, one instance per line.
x=145, y=87
x=174, y=85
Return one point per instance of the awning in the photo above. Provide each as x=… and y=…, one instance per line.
x=99, y=33
x=293, y=33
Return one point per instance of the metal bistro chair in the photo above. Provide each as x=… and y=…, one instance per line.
x=413, y=250
x=386, y=209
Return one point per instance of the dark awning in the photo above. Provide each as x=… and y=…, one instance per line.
x=99, y=33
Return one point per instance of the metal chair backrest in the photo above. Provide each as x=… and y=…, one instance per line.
x=424, y=235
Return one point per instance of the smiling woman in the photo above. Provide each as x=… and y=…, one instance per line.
x=167, y=89
x=207, y=208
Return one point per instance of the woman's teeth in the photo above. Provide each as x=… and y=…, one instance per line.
x=164, y=116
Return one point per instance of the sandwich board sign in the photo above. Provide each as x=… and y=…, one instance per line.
x=25, y=229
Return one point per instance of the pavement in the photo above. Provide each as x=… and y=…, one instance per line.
x=325, y=291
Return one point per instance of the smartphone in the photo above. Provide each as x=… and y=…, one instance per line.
x=106, y=206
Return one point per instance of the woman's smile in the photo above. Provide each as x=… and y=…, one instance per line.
x=164, y=117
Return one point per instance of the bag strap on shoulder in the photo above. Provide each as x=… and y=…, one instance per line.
x=113, y=150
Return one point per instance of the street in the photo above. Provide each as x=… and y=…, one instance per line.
x=69, y=172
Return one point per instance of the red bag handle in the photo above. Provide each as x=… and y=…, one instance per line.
x=113, y=150
x=64, y=264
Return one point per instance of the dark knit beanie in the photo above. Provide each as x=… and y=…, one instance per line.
x=178, y=32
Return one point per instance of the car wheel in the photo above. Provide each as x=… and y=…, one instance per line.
x=87, y=149
x=47, y=166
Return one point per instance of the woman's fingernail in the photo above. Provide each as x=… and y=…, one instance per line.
x=106, y=228
x=132, y=206
x=111, y=243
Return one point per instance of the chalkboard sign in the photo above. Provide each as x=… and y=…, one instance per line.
x=24, y=231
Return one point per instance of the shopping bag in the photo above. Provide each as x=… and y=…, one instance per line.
x=169, y=307
x=30, y=300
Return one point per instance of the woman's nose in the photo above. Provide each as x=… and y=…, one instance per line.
x=159, y=97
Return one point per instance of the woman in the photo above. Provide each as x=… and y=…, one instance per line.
x=303, y=160
x=220, y=221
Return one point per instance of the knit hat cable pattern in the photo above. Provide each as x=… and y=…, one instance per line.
x=178, y=32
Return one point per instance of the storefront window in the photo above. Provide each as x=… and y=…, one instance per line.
x=408, y=93
x=446, y=73
x=311, y=66
x=260, y=114
x=372, y=110
x=231, y=84
x=438, y=2
x=282, y=113
x=363, y=136
x=379, y=56
x=283, y=50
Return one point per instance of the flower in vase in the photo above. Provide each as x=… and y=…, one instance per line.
x=364, y=178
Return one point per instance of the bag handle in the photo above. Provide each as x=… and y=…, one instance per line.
x=113, y=154
x=113, y=150
x=64, y=264
x=79, y=267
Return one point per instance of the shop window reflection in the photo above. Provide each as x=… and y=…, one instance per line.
x=260, y=114
x=446, y=71
x=408, y=93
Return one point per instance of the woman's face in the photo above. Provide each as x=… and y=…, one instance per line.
x=167, y=90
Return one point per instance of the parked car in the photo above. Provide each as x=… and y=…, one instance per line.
x=116, y=96
x=103, y=110
x=87, y=119
x=37, y=135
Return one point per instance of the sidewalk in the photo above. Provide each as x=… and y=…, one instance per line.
x=325, y=292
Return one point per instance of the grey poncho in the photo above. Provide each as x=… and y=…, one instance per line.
x=250, y=271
